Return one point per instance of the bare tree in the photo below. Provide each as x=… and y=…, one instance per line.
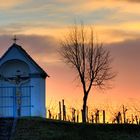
x=89, y=59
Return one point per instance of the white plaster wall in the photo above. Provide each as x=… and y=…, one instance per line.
x=38, y=97
x=43, y=97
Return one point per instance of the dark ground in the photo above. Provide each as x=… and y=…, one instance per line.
x=44, y=129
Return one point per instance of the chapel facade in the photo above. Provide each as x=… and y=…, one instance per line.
x=22, y=85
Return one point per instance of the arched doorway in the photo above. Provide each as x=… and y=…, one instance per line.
x=15, y=89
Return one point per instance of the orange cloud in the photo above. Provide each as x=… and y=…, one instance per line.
x=11, y=3
x=106, y=33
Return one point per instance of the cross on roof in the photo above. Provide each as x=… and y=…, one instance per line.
x=15, y=39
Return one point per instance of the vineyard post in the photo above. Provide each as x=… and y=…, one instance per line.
x=60, y=110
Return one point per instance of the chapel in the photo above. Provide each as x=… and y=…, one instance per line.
x=22, y=84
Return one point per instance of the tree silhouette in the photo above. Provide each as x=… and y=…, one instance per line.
x=89, y=58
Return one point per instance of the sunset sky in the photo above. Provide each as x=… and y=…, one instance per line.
x=41, y=24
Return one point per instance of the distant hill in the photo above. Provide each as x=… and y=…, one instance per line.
x=44, y=129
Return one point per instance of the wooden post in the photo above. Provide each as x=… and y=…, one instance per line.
x=97, y=116
x=92, y=118
x=119, y=117
x=77, y=116
x=132, y=119
x=98, y=119
x=124, y=114
x=49, y=114
x=64, y=110
x=136, y=119
x=60, y=110
x=104, y=116
x=73, y=115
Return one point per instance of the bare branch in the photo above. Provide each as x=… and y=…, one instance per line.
x=90, y=59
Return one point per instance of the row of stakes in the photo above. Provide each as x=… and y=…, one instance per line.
x=93, y=118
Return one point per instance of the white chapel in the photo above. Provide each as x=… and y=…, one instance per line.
x=22, y=84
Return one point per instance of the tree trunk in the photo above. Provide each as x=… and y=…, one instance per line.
x=84, y=115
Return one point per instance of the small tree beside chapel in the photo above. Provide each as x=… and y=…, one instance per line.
x=88, y=58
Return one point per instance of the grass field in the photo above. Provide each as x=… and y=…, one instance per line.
x=44, y=129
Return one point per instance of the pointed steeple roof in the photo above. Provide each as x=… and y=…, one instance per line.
x=27, y=56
